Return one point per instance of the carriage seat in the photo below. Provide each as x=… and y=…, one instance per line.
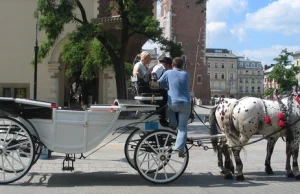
x=142, y=91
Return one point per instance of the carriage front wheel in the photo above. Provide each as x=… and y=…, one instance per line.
x=17, y=150
x=154, y=153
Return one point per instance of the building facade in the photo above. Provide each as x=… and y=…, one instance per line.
x=185, y=23
x=222, y=72
x=17, y=43
x=250, y=78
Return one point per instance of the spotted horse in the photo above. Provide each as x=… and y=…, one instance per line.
x=240, y=119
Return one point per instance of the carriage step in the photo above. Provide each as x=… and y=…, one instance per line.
x=66, y=163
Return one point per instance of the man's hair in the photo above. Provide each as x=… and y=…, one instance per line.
x=178, y=62
x=145, y=54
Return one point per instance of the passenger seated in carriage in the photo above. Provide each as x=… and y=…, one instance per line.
x=142, y=75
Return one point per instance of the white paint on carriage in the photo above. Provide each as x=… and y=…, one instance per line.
x=74, y=132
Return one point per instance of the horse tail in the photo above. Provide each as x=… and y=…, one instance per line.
x=214, y=127
x=232, y=131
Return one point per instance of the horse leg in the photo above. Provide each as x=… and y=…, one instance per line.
x=239, y=164
x=228, y=163
x=220, y=160
x=295, y=160
x=288, y=151
x=270, y=149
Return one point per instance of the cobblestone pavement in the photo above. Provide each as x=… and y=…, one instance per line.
x=107, y=171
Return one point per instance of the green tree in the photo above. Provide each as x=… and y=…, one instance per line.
x=284, y=73
x=91, y=47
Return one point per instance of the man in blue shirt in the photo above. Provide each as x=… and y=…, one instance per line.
x=177, y=81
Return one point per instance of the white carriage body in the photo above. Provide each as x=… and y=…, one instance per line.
x=78, y=131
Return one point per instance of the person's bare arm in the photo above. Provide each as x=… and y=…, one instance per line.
x=135, y=70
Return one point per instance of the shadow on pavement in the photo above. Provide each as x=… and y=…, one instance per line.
x=111, y=178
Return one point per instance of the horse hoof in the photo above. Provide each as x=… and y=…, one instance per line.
x=269, y=170
x=240, y=178
x=228, y=177
x=232, y=170
x=297, y=177
x=290, y=175
x=222, y=172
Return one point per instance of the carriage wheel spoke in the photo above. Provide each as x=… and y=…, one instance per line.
x=154, y=160
x=19, y=161
x=3, y=171
x=164, y=167
x=7, y=132
x=149, y=168
x=156, y=172
x=11, y=165
x=157, y=143
x=19, y=144
x=171, y=167
x=176, y=161
x=166, y=141
x=152, y=148
x=13, y=138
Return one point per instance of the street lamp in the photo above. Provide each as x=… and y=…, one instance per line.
x=36, y=50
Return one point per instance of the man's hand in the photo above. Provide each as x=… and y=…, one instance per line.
x=154, y=85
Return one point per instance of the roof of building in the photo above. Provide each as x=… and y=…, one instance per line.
x=219, y=53
x=271, y=68
x=246, y=63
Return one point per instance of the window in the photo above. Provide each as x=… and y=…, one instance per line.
x=223, y=75
x=183, y=57
x=216, y=85
x=232, y=65
x=216, y=75
x=258, y=72
x=252, y=81
x=216, y=65
x=20, y=92
x=199, y=79
x=222, y=65
x=208, y=75
x=241, y=88
x=208, y=65
x=241, y=80
x=246, y=89
x=231, y=85
x=231, y=75
x=223, y=85
x=246, y=80
x=258, y=89
x=7, y=92
x=246, y=71
x=252, y=90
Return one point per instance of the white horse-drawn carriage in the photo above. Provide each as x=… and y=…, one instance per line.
x=26, y=125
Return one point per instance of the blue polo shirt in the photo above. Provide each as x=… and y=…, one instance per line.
x=177, y=81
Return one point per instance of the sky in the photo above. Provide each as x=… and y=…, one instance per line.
x=257, y=29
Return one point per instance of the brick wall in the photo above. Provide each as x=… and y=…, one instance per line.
x=187, y=20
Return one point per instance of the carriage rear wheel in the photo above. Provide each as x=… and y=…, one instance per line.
x=154, y=153
x=130, y=145
x=17, y=150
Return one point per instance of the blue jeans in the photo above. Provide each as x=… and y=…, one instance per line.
x=183, y=110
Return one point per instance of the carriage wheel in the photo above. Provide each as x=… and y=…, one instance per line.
x=17, y=150
x=130, y=145
x=154, y=153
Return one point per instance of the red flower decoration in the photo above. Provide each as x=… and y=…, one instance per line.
x=280, y=116
x=281, y=123
x=267, y=120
